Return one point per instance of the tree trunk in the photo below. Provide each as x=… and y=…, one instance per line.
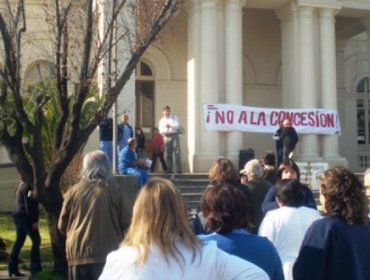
x=58, y=244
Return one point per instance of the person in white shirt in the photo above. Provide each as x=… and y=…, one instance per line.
x=161, y=245
x=286, y=226
x=169, y=127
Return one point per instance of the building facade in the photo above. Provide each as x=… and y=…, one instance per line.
x=261, y=53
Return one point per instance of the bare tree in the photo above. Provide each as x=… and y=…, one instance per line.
x=83, y=36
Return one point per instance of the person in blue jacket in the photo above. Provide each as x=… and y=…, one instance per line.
x=289, y=170
x=337, y=246
x=226, y=214
x=128, y=163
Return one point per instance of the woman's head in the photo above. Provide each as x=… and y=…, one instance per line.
x=160, y=218
x=139, y=130
x=223, y=170
x=289, y=170
x=268, y=158
x=341, y=193
x=289, y=193
x=225, y=208
x=96, y=166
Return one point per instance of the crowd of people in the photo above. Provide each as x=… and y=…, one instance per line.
x=132, y=157
x=260, y=222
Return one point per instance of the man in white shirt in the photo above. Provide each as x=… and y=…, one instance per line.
x=169, y=128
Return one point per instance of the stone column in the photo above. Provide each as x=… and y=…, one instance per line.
x=288, y=17
x=330, y=145
x=366, y=22
x=307, y=78
x=194, y=128
x=233, y=69
x=203, y=85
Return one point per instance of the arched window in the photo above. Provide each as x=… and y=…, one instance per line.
x=144, y=71
x=145, y=92
x=37, y=72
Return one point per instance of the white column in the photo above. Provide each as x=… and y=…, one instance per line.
x=194, y=128
x=308, y=97
x=328, y=75
x=209, y=143
x=233, y=69
x=366, y=22
x=288, y=17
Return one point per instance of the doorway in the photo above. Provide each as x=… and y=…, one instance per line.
x=144, y=93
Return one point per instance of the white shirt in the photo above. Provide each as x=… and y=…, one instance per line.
x=168, y=124
x=286, y=227
x=211, y=264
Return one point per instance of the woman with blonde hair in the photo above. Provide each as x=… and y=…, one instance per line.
x=161, y=245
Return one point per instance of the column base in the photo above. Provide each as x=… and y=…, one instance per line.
x=201, y=163
x=336, y=160
x=310, y=168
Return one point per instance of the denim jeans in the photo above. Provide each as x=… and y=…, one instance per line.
x=23, y=228
x=107, y=148
x=142, y=175
x=172, y=144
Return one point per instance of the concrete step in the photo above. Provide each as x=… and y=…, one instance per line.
x=190, y=185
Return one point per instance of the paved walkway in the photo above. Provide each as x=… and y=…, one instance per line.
x=4, y=275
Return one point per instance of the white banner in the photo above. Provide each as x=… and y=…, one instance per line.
x=226, y=117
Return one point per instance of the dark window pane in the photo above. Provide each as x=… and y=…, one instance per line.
x=145, y=69
x=363, y=85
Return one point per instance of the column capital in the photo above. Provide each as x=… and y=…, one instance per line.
x=286, y=12
x=331, y=4
x=192, y=6
x=239, y=3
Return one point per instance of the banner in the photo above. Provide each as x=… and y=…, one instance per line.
x=226, y=117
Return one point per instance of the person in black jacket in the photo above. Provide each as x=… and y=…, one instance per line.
x=289, y=139
x=25, y=215
x=106, y=137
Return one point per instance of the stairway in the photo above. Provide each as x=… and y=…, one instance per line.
x=191, y=186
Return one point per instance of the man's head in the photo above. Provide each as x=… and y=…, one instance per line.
x=124, y=118
x=166, y=111
x=95, y=166
x=253, y=170
x=287, y=123
x=131, y=143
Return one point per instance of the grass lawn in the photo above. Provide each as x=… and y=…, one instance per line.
x=7, y=233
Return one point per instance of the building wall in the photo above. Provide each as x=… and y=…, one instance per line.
x=262, y=69
x=261, y=76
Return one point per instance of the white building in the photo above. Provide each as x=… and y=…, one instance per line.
x=269, y=53
x=262, y=53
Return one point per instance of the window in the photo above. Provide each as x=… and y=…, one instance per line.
x=363, y=112
x=39, y=71
x=144, y=71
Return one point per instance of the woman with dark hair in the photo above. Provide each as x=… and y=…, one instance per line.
x=270, y=172
x=288, y=170
x=337, y=246
x=140, y=139
x=161, y=245
x=226, y=216
x=222, y=170
x=285, y=227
